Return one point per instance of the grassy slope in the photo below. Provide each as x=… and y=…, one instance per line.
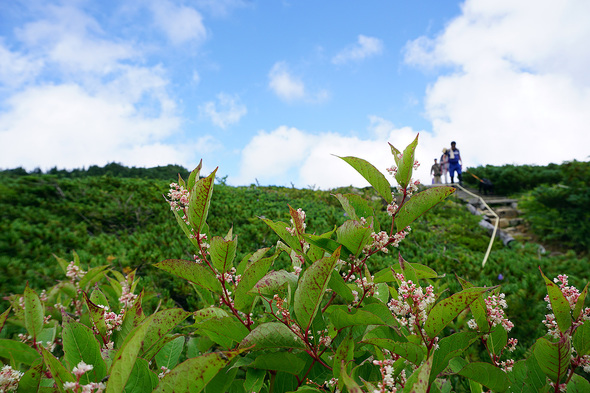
x=129, y=220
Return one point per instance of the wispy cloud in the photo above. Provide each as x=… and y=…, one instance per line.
x=283, y=84
x=221, y=8
x=227, y=111
x=290, y=88
x=180, y=23
x=363, y=48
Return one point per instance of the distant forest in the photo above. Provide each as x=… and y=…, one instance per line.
x=113, y=169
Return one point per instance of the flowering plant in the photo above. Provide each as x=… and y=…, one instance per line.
x=326, y=323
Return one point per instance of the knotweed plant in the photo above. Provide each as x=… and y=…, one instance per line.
x=325, y=323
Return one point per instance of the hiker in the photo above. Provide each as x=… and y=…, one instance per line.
x=436, y=171
x=455, y=163
x=444, y=164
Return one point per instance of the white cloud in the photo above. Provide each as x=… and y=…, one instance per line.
x=520, y=90
x=97, y=102
x=230, y=110
x=365, y=47
x=66, y=125
x=16, y=68
x=180, y=23
x=288, y=154
x=73, y=41
x=284, y=85
x=290, y=88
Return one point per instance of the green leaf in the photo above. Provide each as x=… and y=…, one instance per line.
x=341, y=317
x=209, y=312
x=581, y=339
x=348, y=381
x=280, y=229
x=578, y=385
x=198, y=273
x=185, y=228
x=279, y=361
x=200, y=198
x=141, y=378
x=344, y=353
x=419, y=204
x=559, y=305
x=372, y=175
x=79, y=344
x=200, y=369
x=125, y=357
x=254, y=380
x=161, y=324
x=422, y=271
x=418, y=381
x=93, y=276
x=326, y=244
x=20, y=352
x=223, y=253
x=170, y=353
x=448, y=348
x=34, y=313
x=409, y=351
x=577, y=309
x=407, y=270
x=447, y=309
x=311, y=289
x=355, y=206
x=194, y=176
x=527, y=377
x=478, y=308
x=338, y=285
x=497, y=339
x=484, y=373
x=406, y=165
x=275, y=281
x=354, y=235
x=31, y=380
x=97, y=317
x=224, y=331
x=271, y=335
x=553, y=358
x=58, y=371
x=4, y=317
x=255, y=272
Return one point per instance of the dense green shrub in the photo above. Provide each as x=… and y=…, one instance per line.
x=514, y=179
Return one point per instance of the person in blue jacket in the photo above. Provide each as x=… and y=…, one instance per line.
x=455, y=163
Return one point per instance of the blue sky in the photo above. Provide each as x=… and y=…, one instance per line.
x=270, y=91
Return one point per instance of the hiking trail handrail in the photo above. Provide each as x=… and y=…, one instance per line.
x=497, y=221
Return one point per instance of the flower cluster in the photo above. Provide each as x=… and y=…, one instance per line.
x=74, y=272
x=495, y=306
x=388, y=380
x=392, y=208
x=571, y=294
x=399, y=236
x=409, y=309
x=9, y=379
x=127, y=297
x=179, y=197
x=380, y=241
x=230, y=276
x=411, y=188
x=165, y=371
x=78, y=371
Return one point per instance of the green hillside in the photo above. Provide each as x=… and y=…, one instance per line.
x=126, y=221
